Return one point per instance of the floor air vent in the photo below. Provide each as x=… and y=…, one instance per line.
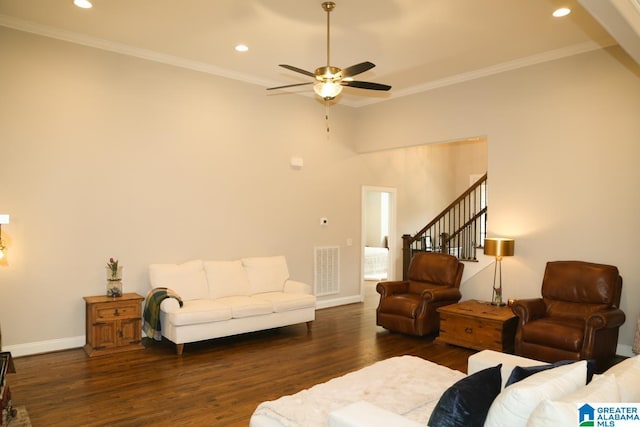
x=326, y=270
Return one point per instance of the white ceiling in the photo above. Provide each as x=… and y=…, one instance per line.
x=415, y=44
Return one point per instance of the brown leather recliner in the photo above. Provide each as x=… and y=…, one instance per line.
x=410, y=306
x=576, y=318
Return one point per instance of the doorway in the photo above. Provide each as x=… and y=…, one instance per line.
x=379, y=246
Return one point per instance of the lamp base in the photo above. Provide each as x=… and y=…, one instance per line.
x=498, y=304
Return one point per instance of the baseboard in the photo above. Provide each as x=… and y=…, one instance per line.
x=338, y=301
x=29, y=349
x=32, y=348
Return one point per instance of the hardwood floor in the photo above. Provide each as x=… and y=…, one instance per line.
x=215, y=383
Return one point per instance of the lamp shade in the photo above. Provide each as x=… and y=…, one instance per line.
x=499, y=247
x=4, y=219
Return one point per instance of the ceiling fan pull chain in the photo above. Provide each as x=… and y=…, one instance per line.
x=326, y=114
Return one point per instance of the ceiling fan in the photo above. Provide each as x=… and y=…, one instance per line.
x=329, y=80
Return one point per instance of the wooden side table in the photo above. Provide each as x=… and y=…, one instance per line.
x=114, y=324
x=478, y=325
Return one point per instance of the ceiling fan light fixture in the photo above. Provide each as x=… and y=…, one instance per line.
x=328, y=79
x=563, y=11
x=84, y=4
x=327, y=90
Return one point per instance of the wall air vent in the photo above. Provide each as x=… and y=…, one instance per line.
x=327, y=270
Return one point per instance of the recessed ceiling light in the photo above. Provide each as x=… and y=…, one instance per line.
x=85, y=4
x=242, y=48
x=563, y=11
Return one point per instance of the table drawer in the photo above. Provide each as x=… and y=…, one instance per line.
x=116, y=310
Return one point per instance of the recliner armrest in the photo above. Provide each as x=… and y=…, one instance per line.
x=386, y=289
x=610, y=318
x=529, y=309
x=441, y=294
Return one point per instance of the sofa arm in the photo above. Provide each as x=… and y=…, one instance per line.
x=295, y=287
x=529, y=309
x=386, y=289
x=365, y=414
x=170, y=305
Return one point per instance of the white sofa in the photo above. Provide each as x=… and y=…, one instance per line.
x=404, y=391
x=223, y=298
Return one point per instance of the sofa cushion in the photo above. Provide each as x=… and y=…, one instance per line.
x=245, y=306
x=564, y=412
x=521, y=372
x=514, y=405
x=488, y=358
x=266, y=274
x=627, y=375
x=198, y=311
x=466, y=403
x=226, y=278
x=187, y=280
x=282, y=301
x=566, y=334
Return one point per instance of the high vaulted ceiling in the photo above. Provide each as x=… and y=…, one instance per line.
x=415, y=44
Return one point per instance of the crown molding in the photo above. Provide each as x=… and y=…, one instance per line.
x=124, y=49
x=81, y=39
x=551, y=55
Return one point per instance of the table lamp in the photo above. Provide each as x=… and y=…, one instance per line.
x=498, y=247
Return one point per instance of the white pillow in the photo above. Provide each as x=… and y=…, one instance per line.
x=226, y=278
x=564, y=412
x=187, y=280
x=266, y=274
x=515, y=403
x=627, y=375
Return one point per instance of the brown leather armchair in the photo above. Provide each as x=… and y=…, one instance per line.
x=576, y=318
x=410, y=306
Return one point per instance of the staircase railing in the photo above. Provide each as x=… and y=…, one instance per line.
x=458, y=230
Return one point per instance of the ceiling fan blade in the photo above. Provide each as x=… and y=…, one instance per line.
x=365, y=85
x=291, y=85
x=357, y=69
x=298, y=70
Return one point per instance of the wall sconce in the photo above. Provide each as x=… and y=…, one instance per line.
x=498, y=247
x=4, y=220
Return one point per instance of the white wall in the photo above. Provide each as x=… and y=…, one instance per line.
x=428, y=178
x=563, y=151
x=106, y=155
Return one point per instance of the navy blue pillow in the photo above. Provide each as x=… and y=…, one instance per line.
x=467, y=402
x=521, y=372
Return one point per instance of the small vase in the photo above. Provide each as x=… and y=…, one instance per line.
x=497, y=297
x=114, y=282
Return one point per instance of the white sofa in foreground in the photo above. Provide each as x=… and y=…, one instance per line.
x=405, y=391
x=223, y=298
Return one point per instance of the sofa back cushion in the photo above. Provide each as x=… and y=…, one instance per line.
x=266, y=274
x=187, y=280
x=226, y=279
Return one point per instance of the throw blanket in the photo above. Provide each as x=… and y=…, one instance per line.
x=407, y=385
x=151, y=314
